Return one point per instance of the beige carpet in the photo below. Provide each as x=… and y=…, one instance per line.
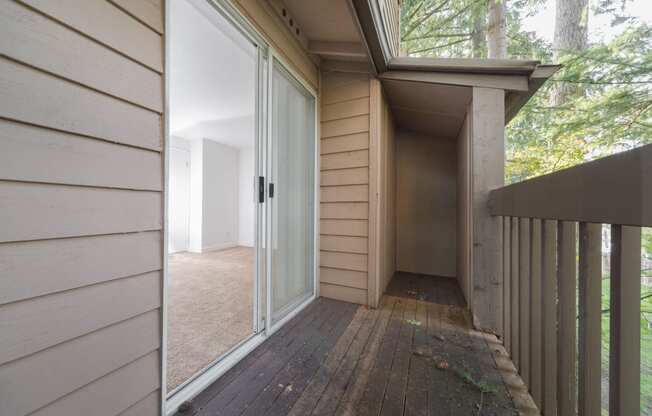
x=210, y=308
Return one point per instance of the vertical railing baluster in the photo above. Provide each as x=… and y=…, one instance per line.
x=535, y=311
x=625, y=321
x=590, y=318
x=515, y=293
x=524, y=298
x=549, y=285
x=507, y=299
x=566, y=318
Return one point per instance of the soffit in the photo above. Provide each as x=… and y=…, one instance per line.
x=325, y=20
x=434, y=109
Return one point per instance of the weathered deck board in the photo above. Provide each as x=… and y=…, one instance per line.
x=416, y=355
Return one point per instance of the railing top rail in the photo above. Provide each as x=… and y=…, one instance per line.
x=613, y=190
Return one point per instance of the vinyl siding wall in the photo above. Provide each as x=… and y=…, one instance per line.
x=344, y=199
x=81, y=206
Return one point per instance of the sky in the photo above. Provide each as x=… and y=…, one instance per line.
x=599, y=25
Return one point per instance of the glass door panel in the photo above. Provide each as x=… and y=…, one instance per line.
x=291, y=188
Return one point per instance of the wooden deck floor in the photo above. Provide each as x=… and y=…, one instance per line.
x=415, y=355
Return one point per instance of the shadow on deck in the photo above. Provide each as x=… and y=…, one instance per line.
x=415, y=355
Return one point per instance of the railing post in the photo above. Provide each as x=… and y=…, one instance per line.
x=566, y=318
x=624, y=322
x=524, y=298
x=507, y=299
x=515, y=294
x=590, y=319
x=535, y=311
x=549, y=284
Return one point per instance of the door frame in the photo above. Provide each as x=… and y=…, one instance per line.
x=190, y=389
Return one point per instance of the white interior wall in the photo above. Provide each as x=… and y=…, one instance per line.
x=220, y=196
x=196, y=196
x=246, y=195
x=222, y=207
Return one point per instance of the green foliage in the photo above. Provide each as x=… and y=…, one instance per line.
x=612, y=113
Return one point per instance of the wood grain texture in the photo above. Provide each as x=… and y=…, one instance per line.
x=35, y=211
x=516, y=293
x=577, y=193
x=590, y=319
x=34, y=154
x=624, y=321
x=549, y=307
x=507, y=294
x=488, y=162
x=36, y=324
x=98, y=19
x=29, y=384
x=34, y=39
x=567, y=313
x=34, y=97
x=37, y=268
x=536, y=314
x=524, y=298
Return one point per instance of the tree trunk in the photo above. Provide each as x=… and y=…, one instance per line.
x=571, y=36
x=496, y=30
x=478, y=38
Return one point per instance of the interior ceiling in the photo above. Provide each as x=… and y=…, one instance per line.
x=209, y=99
x=325, y=20
x=434, y=109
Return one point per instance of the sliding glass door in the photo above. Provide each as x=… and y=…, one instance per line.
x=292, y=194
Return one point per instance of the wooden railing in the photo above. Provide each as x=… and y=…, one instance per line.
x=552, y=281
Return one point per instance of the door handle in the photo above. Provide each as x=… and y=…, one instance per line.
x=261, y=189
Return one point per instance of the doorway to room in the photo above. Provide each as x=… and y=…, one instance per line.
x=241, y=192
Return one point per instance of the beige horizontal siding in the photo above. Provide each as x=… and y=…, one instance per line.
x=38, y=98
x=150, y=405
x=37, y=268
x=344, y=210
x=52, y=47
x=346, y=160
x=347, y=143
x=344, y=193
x=351, y=176
x=37, y=154
x=34, y=211
x=345, y=244
x=112, y=393
x=345, y=261
x=42, y=322
x=150, y=12
x=345, y=109
x=101, y=352
x=343, y=293
x=105, y=23
x=345, y=278
x=81, y=207
x=345, y=126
